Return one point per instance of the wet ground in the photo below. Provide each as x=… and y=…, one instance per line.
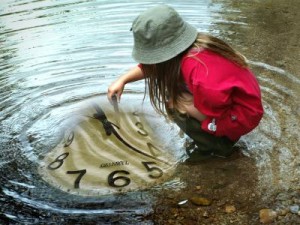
x=229, y=186
x=235, y=186
x=53, y=57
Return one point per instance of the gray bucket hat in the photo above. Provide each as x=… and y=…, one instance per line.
x=160, y=34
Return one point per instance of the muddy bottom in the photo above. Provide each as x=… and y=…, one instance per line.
x=230, y=187
x=218, y=191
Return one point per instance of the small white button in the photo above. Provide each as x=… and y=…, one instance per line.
x=212, y=126
x=233, y=117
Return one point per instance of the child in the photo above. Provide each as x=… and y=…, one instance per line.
x=194, y=78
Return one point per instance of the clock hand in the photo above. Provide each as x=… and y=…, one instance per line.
x=115, y=103
x=137, y=150
x=107, y=125
x=109, y=129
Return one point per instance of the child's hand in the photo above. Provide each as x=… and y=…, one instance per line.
x=115, y=89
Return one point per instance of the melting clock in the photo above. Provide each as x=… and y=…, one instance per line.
x=110, y=150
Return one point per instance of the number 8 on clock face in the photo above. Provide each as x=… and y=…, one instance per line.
x=108, y=153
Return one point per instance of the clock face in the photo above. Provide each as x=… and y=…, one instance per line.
x=108, y=151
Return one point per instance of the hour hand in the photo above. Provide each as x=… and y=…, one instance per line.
x=100, y=115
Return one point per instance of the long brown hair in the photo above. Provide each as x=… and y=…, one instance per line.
x=164, y=80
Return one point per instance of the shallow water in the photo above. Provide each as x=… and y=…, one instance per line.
x=57, y=57
x=259, y=33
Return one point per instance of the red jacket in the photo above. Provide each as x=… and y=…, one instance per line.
x=227, y=94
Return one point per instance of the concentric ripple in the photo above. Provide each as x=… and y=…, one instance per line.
x=275, y=143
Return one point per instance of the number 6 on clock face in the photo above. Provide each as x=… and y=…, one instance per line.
x=115, y=181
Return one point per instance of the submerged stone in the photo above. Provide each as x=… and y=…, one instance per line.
x=267, y=215
x=283, y=212
x=294, y=209
x=230, y=208
x=201, y=201
x=205, y=214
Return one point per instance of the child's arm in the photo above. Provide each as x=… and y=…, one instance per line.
x=117, y=87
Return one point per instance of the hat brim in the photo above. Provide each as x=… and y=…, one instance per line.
x=158, y=55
